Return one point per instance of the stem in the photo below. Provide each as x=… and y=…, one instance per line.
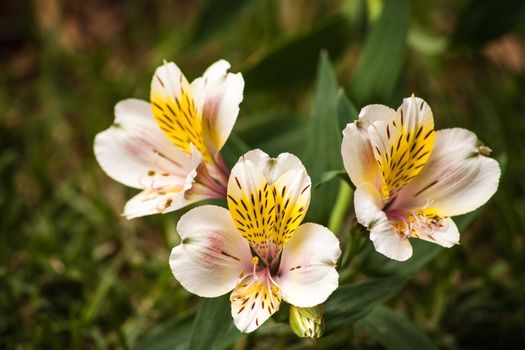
x=339, y=212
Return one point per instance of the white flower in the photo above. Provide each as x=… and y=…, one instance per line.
x=410, y=179
x=267, y=199
x=169, y=148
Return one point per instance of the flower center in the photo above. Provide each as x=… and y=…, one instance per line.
x=415, y=223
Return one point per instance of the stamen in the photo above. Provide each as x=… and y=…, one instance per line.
x=255, y=262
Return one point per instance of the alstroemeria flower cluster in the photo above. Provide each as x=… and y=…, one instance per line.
x=169, y=147
x=258, y=247
x=410, y=179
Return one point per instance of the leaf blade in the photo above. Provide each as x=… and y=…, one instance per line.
x=383, y=55
x=324, y=151
x=394, y=331
x=212, y=321
x=349, y=303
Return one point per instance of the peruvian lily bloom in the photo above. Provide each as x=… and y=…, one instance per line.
x=410, y=179
x=169, y=148
x=258, y=248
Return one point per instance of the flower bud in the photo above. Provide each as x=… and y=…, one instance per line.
x=307, y=322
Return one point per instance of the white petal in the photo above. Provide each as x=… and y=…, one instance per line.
x=253, y=301
x=457, y=179
x=358, y=156
x=150, y=202
x=217, y=69
x=135, y=152
x=217, y=96
x=168, y=81
x=167, y=199
x=307, y=274
x=274, y=168
x=356, y=149
x=368, y=207
x=377, y=112
x=212, y=253
x=446, y=237
x=389, y=243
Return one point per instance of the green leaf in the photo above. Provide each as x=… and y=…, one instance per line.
x=292, y=62
x=394, y=331
x=291, y=141
x=351, y=302
x=226, y=340
x=171, y=335
x=346, y=110
x=324, y=141
x=333, y=174
x=265, y=125
x=212, y=322
x=233, y=149
x=212, y=328
x=383, y=55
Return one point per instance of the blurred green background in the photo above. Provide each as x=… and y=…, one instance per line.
x=74, y=274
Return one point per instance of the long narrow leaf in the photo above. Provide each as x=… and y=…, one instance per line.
x=352, y=302
x=212, y=321
x=394, y=331
x=383, y=55
x=293, y=61
x=324, y=141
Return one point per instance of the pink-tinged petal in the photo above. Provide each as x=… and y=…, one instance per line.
x=217, y=97
x=457, y=179
x=307, y=274
x=171, y=197
x=254, y=300
x=368, y=207
x=356, y=150
x=150, y=202
x=358, y=156
x=374, y=113
x=212, y=253
x=446, y=236
x=206, y=185
x=135, y=152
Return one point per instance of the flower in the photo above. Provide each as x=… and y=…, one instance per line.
x=410, y=179
x=170, y=147
x=267, y=200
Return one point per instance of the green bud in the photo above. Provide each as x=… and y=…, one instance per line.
x=307, y=322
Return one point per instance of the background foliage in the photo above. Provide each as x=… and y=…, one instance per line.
x=76, y=275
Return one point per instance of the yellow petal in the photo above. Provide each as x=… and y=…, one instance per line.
x=403, y=145
x=174, y=109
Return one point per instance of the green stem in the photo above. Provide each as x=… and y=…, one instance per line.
x=339, y=212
